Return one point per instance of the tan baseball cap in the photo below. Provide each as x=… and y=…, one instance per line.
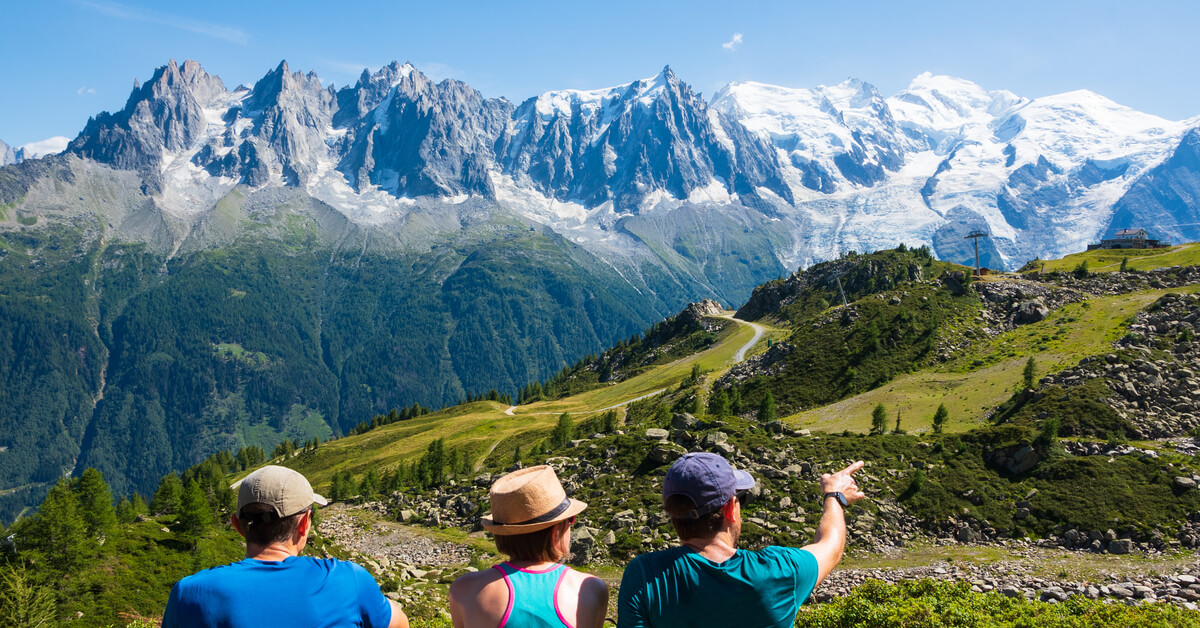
x=283, y=489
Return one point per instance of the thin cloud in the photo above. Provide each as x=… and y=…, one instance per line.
x=135, y=14
x=85, y=90
x=48, y=146
x=733, y=44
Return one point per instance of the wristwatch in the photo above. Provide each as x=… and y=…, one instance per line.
x=841, y=499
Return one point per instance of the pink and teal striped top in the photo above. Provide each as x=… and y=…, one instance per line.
x=533, y=597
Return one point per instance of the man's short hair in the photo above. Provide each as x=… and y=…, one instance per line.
x=680, y=508
x=533, y=546
x=263, y=527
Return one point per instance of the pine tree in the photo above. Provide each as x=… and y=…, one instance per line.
x=125, y=512
x=562, y=431
x=95, y=504
x=1030, y=372
x=609, y=422
x=719, y=406
x=60, y=527
x=939, y=418
x=695, y=372
x=897, y=430
x=1124, y=264
x=516, y=455
x=23, y=602
x=140, y=507
x=878, y=420
x=194, y=512
x=434, y=461
x=735, y=402
x=166, y=497
x=766, y=409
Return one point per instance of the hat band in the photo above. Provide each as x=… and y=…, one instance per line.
x=558, y=510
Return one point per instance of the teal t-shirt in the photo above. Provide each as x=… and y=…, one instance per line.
x=680, y=587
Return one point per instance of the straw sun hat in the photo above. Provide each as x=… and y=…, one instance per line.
x=529, y=500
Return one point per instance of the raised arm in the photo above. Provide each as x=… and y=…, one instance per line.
x=830, y=542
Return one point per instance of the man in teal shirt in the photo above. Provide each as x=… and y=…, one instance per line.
x=707, y=581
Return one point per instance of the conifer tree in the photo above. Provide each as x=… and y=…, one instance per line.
x=194, y=512
x=22, y=601
x=140, y=507
x=939, y=418
x=434, y=462
x=95, y=504
x=60, y=529
x=1030, y=373
x=735, y=402
x=562, y=431
x=125, y=512
x=766, y=408
x=878, y=420
x=719, y=406
x=166, y=497
x=609, y=422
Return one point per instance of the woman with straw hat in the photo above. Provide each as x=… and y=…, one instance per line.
x=531, y=521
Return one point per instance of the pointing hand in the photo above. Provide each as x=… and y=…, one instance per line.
x=843, y=482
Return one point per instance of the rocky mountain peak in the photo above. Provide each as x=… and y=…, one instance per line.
x=8, y=155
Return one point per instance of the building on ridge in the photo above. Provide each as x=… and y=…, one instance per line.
x=1130, y=239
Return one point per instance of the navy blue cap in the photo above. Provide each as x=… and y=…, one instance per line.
x=706, y=479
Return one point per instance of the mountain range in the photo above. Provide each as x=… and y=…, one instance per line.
x=210, y=267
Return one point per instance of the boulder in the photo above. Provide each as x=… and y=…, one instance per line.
x=657, y=433
x=1120, y=546
x=667, y=452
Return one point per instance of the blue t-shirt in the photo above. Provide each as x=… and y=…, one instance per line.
x=298, y=591
x=680, y=587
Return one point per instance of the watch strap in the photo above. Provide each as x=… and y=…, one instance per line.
x=841, y=499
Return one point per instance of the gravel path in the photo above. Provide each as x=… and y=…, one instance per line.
x=393, y=542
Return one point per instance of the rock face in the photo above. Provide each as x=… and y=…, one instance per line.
x=8, y=155
x=167, y=112
x=1011, y=303
x=1159, y=397
x=656, y=133
x=765, y=157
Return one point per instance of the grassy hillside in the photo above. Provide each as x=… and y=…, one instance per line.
x=1109, y=260
x=979, y=379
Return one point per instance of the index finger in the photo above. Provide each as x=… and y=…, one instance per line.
x=853, y=467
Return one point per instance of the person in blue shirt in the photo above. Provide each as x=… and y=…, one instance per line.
x=707, y=581
x=274, y=586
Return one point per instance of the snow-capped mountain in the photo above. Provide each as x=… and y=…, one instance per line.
x=825, y=169
x=7, y=154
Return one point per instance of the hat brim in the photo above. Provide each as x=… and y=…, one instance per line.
x=742, y=480
x=575, y=508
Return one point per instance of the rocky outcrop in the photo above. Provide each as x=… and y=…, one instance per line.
x=695, y=313
x=770, y=362
x=859, y=276
x=167, y=113
x=1123, y=283
x=1153, y=373
x=1014, y=302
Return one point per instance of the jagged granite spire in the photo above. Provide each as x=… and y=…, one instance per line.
x=167, y=112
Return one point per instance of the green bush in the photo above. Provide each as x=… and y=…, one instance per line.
x=931, y=604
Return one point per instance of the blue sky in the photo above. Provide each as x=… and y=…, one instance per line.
x=64, y=60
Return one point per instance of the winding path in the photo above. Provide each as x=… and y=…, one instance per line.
x=759, y=331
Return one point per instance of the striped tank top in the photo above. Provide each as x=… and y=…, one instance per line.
x=533, y=597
